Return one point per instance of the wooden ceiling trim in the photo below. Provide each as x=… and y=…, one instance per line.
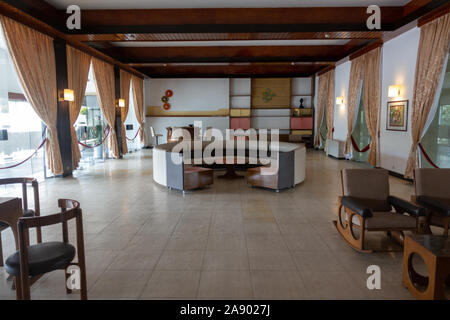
x=366, y=49
x=148, y=37
x=325, y=70
x=434, y=15
x=414, y=5
x=418, y=8
x=233, y=53
x=247, y=70
x=312, y=19
x=28, y=20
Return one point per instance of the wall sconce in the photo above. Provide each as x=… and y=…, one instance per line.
x=66, y=95
x=340, y=100
x=394, y=91
x=121, y=103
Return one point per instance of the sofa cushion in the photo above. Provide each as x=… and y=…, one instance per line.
x=390, y=220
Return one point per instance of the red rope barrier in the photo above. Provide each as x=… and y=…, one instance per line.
x=355, y=146
x=97, y=145
x=31, y=156
x=425, y=154
x=322, y=136
x=134, y=136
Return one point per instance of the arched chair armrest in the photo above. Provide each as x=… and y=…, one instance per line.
x=440, y=205
x=18, y=180
x=407, y=206
x=64, y=216
x=357, y=205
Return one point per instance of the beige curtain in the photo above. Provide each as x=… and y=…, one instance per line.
x=78, y=64
x=105, y=84
x=356, y=73
x=322, y=96
x=125, y=82
x=138, y=96
x=371, y=98
x=433, y=47
x=330, y=104
x=33, y=56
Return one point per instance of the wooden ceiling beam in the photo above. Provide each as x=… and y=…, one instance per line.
x=41, y=10
x=233, y=71
x=172, y=37
x=229, y=20
x=434, y=15
x=234, y=53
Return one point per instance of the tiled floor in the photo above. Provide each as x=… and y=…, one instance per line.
x=227, y=241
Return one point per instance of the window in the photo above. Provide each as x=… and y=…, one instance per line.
x=21, y=130
x=132, y=126
x=436, y=141
x=91, y=128
x=361, y=134
x=323, y=130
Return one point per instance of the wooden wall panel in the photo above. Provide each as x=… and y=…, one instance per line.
x=271, y=93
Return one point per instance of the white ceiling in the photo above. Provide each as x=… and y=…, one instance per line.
x=172, y=4
x=246, y=43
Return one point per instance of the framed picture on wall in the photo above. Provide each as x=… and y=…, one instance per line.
x=397, y=115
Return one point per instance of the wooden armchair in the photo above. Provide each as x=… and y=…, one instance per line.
x=432, y=188
x=26, y=211
x=29, y=263
x=368, y=207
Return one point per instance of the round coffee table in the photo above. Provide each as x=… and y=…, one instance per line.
x=230, y=166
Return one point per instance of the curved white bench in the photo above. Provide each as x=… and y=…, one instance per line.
x=291, y=168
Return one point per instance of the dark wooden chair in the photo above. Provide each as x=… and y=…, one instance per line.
x=432, y=191
x=26, y=211
x=31, y=262
x=368, y=207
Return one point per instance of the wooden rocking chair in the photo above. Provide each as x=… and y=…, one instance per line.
x=432, y=188
x=368, y=207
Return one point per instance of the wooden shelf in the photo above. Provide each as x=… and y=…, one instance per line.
x=271, y=108
x=271, y=116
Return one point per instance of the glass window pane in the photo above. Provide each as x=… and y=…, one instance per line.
x=91, y=128
x=361, y=134
x=21, y=130
x=323, y=131
x=132, y=126
x=436, y=141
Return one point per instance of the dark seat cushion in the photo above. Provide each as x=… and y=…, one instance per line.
x=28, y=213
x=42, y=258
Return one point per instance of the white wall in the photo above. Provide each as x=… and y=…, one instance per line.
x=398, y=68
x=188, y=95
x=191, y=94
x=399, y=57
